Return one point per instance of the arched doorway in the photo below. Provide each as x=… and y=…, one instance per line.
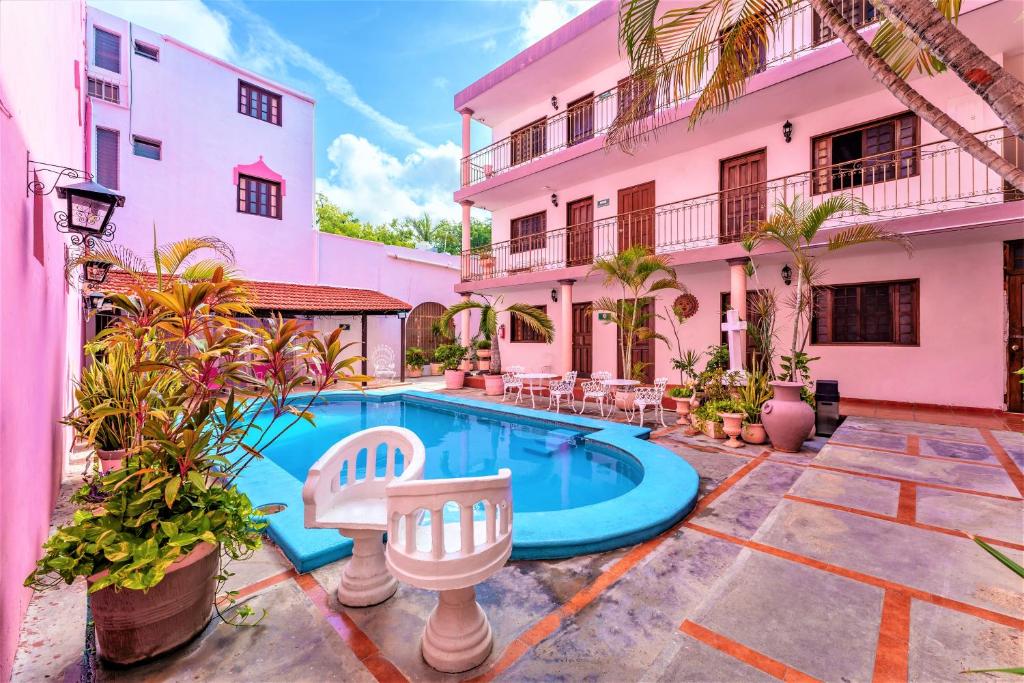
x=419, y=332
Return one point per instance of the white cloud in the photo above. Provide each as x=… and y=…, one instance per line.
x=440, y=82
x=377, y=186
x=489, y=45
x=541, y=17
x=189, y=21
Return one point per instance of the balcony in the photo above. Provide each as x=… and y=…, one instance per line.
x=800, y=31
x=924, y=179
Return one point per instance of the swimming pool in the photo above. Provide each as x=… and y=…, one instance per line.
x=579, y=485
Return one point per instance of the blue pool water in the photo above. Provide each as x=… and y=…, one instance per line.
x=553, y=468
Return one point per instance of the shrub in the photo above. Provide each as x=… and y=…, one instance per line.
x=415, y=358
x=680, y=392
x=450, y=355
x=483, y=344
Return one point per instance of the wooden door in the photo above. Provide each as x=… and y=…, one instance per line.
x=580, y=120
x=419, y=328
x=744, y=194
x=582, y=339
x=643, y=351
x=579, y=235
x=1014, y=260
x=636, y=216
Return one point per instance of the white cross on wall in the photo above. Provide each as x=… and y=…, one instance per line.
x=734, y=327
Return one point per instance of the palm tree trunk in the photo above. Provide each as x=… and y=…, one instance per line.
x=496, y=356
x=1003, y=91
x=902, y=91
x=796, y=323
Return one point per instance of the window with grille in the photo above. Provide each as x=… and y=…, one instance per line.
x=521, y=332
x=107, y=50
x=530, y=141
x=870, y=153
x=144, y=147
x=859, y=13
x=867, y=313
x=259, y=197
x=529, y=232
x=107, y=162
x=258, y=103
x=104, y=90
x=147, y=51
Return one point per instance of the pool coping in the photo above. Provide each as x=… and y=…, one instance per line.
x=666, y=494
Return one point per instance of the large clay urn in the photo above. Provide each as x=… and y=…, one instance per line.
x=110, y=460
x=493, y=385
x=134, y=625
x=454, y=379
x=786, y=418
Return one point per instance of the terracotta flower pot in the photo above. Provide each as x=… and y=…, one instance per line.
x=624, y=400
x=714, y=430
x=483, y=354
x=133, y=625
x=683, y=409
x=454, y=379
x=436, y=369
x=786, y=418
x=466, y=365
x=754, y=433
x=484, y=365
x=414, y=371
x=110, y=460
x=732, y=425
x=493, y=385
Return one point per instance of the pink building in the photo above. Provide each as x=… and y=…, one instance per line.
x=931, y=329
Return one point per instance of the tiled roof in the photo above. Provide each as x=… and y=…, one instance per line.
x=291, y=297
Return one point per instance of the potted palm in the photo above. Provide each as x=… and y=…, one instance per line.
x=149, y=537
x=795, y=227
x=451, y=357
x=415, y=359
x=489, y=309
x=752, y=397
x=483, y=354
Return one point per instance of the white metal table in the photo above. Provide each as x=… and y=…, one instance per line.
x=538, y=383
x=626, y=388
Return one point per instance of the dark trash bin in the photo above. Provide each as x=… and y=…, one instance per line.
x=826, y=400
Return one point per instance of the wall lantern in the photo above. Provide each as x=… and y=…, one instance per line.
x=89, y=208
x=95, y=272
x=554, y=102
x=554, y=199
x=554, y=295
x=344, y=327
x=787, y=131
x=94, y=300
x=402, y=315
x=787, y=274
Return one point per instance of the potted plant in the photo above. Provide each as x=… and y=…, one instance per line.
x=794, y=226
x=708, y=417
x=486, y=258
x=450, y=357
x=415, y=359
x=437, y=366
x=483, y=354
x=753, y=395
x=149, y=537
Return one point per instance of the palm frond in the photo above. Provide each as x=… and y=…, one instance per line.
x=171, y=257
x=534, y=318
x=864, y=234
x=206, y=269
x=446, y=318
x=116, y=256
x=903, y=50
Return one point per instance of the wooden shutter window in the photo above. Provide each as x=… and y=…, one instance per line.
x=528, y=233
x=580, y=119
x=523, y=333
x=868, y=313
x=107, y=162
x=530, y=141
x=869, y=153
x=259, y=103
x=259, y=197
x=107, y=50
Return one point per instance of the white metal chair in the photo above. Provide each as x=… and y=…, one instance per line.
x=596, y=389
x=562, y=390
x=451, y=556
x=382, y=361
x=335, y=496
x=650, y=397
x=512, y=384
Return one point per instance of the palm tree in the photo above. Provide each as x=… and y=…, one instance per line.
x=795, y=227
x=423, y=228
x=531, y=316
x=674, y=56
x=632, y=271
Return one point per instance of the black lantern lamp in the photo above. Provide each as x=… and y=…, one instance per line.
x=787, y=131
x=554, y=102
x=787, y=274
x=95, y=272
x=554, y=199
x=554, y=295
x=90, y=206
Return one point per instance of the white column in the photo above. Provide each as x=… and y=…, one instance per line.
x=466, y=143
x=563, y=335
x=738, y=294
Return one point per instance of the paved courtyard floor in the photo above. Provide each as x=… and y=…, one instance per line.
x=849, y=561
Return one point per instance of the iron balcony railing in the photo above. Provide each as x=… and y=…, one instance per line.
x=799, y=31
x=924, y=179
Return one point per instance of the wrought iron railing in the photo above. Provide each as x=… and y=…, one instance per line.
x=798, y=32
x=924, y=179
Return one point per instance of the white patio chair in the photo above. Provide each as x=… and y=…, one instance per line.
x=596, y=389
x=513, y=384
x=562, y=390
x=356, y=507
x=451, y=556
x=650, y=397
x=382, y=361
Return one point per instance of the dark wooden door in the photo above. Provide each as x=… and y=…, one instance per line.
x=580, y=120
x=636, y=216
x=579, y=236
x=1014, y=259
x=643, y=350
x=419, y=328
x=582, y=339
x=744, y=194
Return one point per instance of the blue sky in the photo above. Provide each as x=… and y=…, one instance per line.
x=383, y=74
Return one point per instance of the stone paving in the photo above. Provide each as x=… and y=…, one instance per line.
x=849, y=561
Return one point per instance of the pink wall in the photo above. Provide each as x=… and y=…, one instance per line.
x=39, y=114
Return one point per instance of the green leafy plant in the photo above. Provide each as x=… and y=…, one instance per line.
x=718, y=357
x=681, y=392
x=754, y=394
x=489, y=309
x=686, y=364
x=176, y=488
x=483, y=344
x=450, y=355
x=763, y=311
x=415, y=358
x=709, y=411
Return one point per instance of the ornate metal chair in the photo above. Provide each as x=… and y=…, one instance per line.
x=511, y=384
x=650, y=397
x=382, y=361
x=596, y=389
x=562, y=390
x=337, y=495
x=451, y=554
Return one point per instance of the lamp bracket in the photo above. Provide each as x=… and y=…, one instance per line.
x=80, y=239
x=53, y=173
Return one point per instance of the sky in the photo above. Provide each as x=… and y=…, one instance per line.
x=384, y=75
